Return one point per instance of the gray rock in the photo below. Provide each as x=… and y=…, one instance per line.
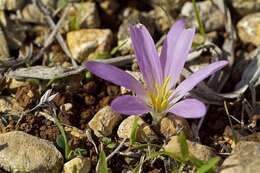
x=249, y=29
x=210, y=15
x=201, y=152
x=104, y=121
x=21, y=152
x=131, y=17
x=245, y=7
x=244, y=159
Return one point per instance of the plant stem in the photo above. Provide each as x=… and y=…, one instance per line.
x=197, y=15
x=67, y=147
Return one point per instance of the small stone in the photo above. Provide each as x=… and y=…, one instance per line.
x=130, y=17
x=249, y=29
x=144, y=132
x=31, y=13
x=21, y=152
x=255, y=137
x=163, y=22
x=112, y=90
x=104, y=121
x=89, y=100
x=109, y=6
x=66, y=107
x=75, y=132
x=11, y=4
x=85, y=13
x=13, y=84
x=87, y=43
x=4, y=50
x=170, y=125
x=201, y=152
x=211, y=15
x=10, y=105
x=243, y=159
x=78, y=165
x=171, y=6
x=245, y=7
x=26, y=95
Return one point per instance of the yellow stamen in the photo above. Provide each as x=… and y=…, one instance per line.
x=159, y=98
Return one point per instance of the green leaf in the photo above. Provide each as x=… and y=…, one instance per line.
x=195, y=161
x=80, y=151
x=209, y=165
x=115, y=49
x=106, y=140
x=134, y=130
x=62, y=3
x=197, y=15
x=60, y=141
x=162, y=153
x=103, y=55
x=64, y=136
x=111, y=145
x=102, y=167
x=74, y=23
x=88, y=75
x=183, y=146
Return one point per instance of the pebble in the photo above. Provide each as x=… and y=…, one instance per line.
x=200, y=151
x=104, y=121
x=109, y=6
x=245, y=7
x=21, y=152
x=144, y=132
x=249, y=29
x=243, y=159
x=11, y=4
x=4, y=50
x=87, y=43
x=170, y=125
x=210, y=15
x=78, y=165
x=85, y=13
x=131, y=16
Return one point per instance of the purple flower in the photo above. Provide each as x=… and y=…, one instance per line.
x=160, y=94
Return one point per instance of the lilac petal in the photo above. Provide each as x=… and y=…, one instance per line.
x=129, y=105
x=115, y=75
x=177, y=54
x=170, y=42
x=189, y=108
x=189, y=83
x=146, y=54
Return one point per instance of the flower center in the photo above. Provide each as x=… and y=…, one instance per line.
x=159, y=99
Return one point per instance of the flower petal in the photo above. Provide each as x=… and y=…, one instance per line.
x=189, y=108
x=177, y=53
x=146, y=54
x=170, y=42
x=115, y=75
x=129, y=105
x=189, y=83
